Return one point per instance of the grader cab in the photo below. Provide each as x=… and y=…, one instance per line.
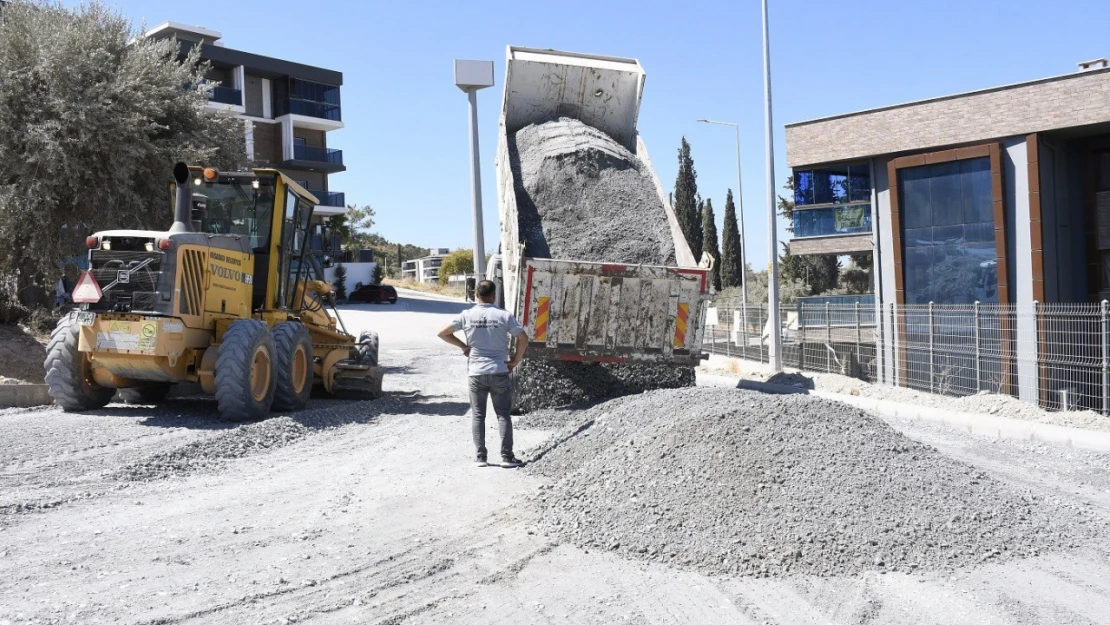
x=229, y=297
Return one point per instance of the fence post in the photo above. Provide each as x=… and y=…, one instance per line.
x=932, y=370
x=894, y=338
x=978, y=352
x=859, y=340
x=1105, y=310
x=828, y=339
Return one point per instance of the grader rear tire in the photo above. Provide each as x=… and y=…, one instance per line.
x=69, y=372
x=245, y=364
x=294, y=366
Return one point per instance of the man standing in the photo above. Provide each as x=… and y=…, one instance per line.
x=487, y=330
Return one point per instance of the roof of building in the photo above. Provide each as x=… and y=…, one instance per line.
x=213, y=49
x=1076, y=100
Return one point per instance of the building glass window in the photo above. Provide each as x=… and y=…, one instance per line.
x=833, y=200
x=949, y=233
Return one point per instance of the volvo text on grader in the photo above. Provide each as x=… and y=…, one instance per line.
x=230, y=297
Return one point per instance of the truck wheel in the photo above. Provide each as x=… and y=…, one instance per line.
x=368, y=348
x=245, y=379
x=152, y=394
x=69, y=372
x=294, y=366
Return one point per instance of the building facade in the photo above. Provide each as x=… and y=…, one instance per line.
x=288, y=109
x=996, y=198
x=425, y=269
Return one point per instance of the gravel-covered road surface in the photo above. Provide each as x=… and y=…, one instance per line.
x=372, y=512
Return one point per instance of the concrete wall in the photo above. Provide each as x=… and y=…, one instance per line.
x=267, y=142
x=1015, y=182
x=1078, y=99
x=314, y=138
x=356, y=272
x=884, y=236
x=252, y=96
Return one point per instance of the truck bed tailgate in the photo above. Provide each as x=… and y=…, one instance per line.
x=597, y=312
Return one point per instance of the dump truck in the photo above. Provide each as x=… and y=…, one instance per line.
x=589, y=310
x=230, y=297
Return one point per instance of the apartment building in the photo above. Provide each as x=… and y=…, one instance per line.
x=287, y=109
x=425, y=269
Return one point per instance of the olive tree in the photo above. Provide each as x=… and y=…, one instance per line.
x=92, y=118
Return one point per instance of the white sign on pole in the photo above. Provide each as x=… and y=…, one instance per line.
x=711, y=316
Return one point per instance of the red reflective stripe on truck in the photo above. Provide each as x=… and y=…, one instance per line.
x=704, y=273
x=528, y=295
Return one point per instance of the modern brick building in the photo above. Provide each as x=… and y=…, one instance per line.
x=999, y=196
x=287, y=109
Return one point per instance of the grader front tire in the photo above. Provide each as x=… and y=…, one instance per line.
x=68, y=371
x=294, y=366
x=245, y=365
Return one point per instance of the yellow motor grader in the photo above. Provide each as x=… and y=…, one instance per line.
x=229, y=297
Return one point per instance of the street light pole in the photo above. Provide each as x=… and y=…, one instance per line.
x=774, y=346
x=740, y=214
x=470, y=76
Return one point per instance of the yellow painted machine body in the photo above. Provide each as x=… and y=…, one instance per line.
x=245, y=257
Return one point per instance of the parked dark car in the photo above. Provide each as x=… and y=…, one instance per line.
x=374, y=294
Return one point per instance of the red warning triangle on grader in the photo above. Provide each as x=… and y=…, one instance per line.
x=87, y=291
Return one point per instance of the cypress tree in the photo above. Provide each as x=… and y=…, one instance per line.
x=710, y=243
x=686, y=199
x=732, y=270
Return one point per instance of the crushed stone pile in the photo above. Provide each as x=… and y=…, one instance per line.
x=253, y=438
x=735, y=482
x=583, y=196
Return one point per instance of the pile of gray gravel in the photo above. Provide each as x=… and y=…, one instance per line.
x=736, y=482
x=583, y=196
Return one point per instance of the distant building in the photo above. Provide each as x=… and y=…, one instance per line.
x=425, y=269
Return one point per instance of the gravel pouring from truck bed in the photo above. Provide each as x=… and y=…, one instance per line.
x=583, y=196
x=547, y=384
x=737, y=482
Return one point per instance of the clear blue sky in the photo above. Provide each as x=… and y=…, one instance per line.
x=405, y=141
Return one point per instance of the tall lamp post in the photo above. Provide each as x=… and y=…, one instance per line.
x=470, y=76
x=774, y=347
x=740, y=211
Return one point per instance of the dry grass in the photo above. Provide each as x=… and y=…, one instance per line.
x=413, y=285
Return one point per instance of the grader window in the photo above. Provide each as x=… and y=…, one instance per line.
x=234, y=206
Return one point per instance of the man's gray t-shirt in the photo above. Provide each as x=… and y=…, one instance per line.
x=487, y=330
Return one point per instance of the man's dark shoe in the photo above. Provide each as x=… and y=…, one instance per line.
x=481, y=461
x=511, y=462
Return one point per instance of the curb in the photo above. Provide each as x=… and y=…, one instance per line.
x=975, y=423
x=24, y=395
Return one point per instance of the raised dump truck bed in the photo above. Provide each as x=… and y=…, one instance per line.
x=589, y=309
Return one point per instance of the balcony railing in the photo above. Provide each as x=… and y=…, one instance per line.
x=330, y=198
x=832, y=221
x=226, y=95
x=310, y=108
x=318, y=155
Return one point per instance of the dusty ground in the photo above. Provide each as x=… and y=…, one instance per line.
x=372, y=513
x=21, y=356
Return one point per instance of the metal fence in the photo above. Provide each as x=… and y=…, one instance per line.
x=1055, y=355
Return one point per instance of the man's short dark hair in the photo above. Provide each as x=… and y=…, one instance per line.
x=486, y=289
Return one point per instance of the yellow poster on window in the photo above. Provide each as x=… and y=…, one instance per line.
x=851, y=218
